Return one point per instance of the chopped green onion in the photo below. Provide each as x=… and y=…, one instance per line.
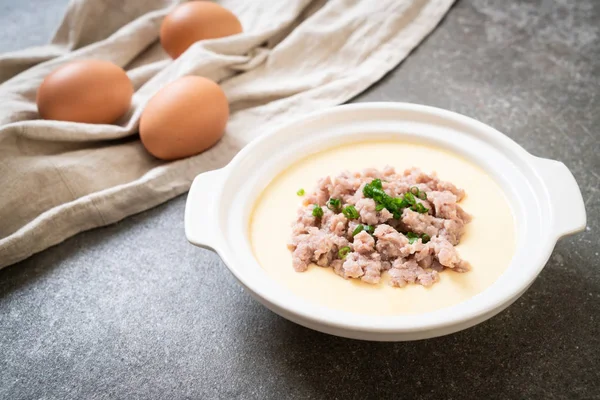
x=350, y=212
x=374, y=191
x=334, y=204
x=343, y=252
x=419, y=193
x=367, y=228
x=412, y=237
x=317, y=211
x=401, y=202
x=395, y=205
x=410, y=198
x=300, y=192
x=420, y=208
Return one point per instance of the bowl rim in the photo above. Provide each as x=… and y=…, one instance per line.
x=298, y=309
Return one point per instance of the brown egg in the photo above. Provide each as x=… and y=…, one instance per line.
x=194, y=21
x=92, y=91
x=184, y=118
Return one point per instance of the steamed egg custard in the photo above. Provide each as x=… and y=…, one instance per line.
x=487, y=242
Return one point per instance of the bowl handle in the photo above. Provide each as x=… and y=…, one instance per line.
x=568, y=208
x=202, y=226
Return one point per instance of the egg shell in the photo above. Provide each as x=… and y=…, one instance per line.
x=194, y=21
x=91, y=91
x=184, y=118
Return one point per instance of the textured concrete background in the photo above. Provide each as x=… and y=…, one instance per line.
x=132, y=311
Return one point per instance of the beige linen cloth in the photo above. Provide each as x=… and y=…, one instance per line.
x=295, y=56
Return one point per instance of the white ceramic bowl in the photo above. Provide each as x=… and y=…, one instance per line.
x=544, y=196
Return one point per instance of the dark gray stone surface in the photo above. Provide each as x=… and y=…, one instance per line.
x=133, y=311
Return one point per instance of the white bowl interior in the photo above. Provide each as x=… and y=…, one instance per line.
x=507, y=163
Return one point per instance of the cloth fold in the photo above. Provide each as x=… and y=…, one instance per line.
x=295, y=56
